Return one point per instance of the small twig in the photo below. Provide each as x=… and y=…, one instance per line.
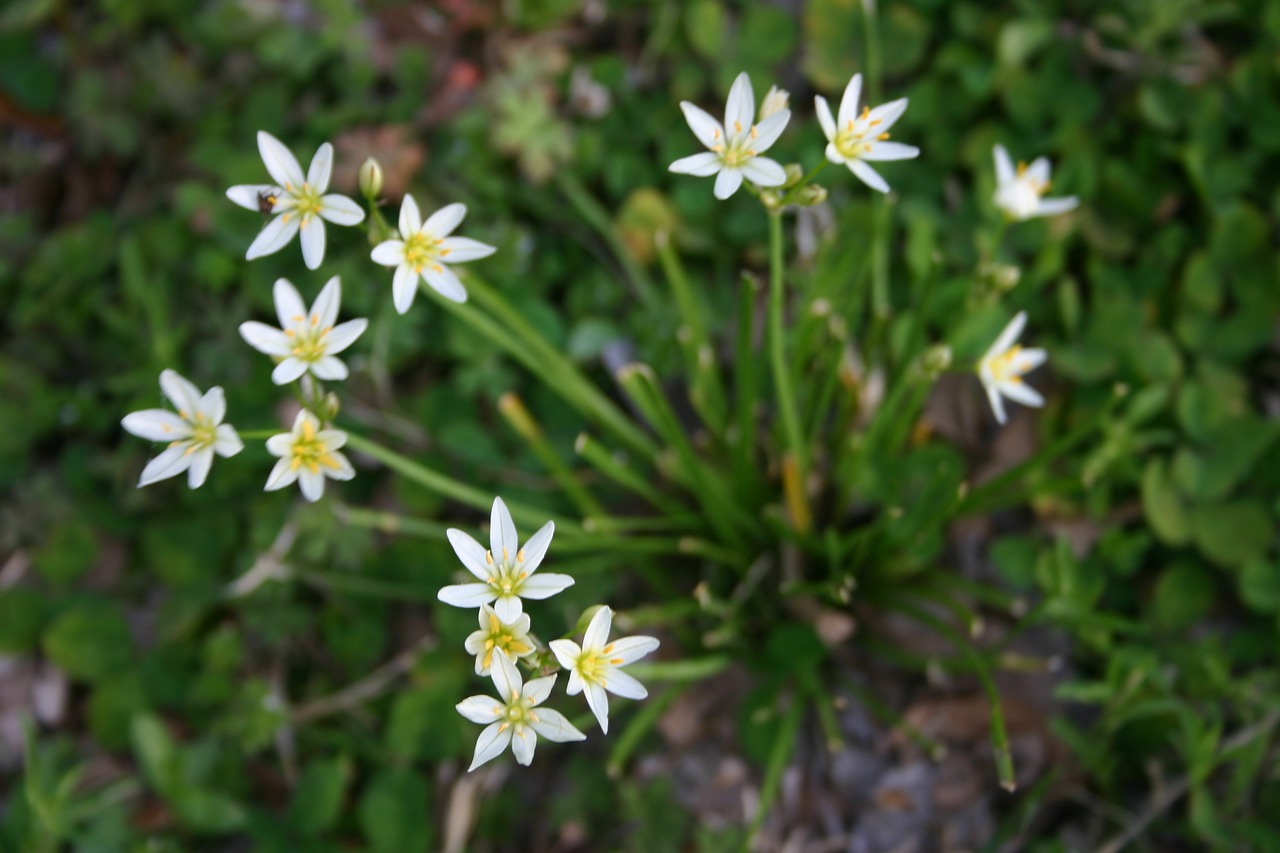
x=1177, y=789
x=269, y=565
x=370, y=687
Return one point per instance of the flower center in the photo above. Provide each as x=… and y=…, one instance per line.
x=517, y=713
x=851, y=140
x=307, y=202
x=309, y=451
x=505, y=576
x=594, y=664
x=1004, y=366
x=204, y=433
x=308, y=338
x=503, y=639
x=736, y=149
x=421, y=251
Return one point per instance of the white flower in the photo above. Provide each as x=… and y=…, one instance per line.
x=194, y=434
x=1002, y=366
x=425, y=249
x=299, y=201
x=1018, y=194
x=514, y=717
x=509, y=639
x=308, y=454
x=774, y=101
x=596, y=665
x=736, y=145
x=854, y=139
x=507, y=571
x=306, y=340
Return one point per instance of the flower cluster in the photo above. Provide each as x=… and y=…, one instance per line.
x=506, y=575
x=306, y=344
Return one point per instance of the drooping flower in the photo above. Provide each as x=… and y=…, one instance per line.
x=734, y=148
x=425, y=250
x=1019, y=193
x=1003, y=365
x=307, y=341
x=510, y=639
x=595, y=666
x=506, y=570
x=299, y=201
x=514, y=717
x=308, y=454
x=855, y=139
x=194, y=434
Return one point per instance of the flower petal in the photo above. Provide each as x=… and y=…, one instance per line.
x=727, y=183
x=466, y=594
x=441, y=223
x=311, y=483
x=700, y=165
x=280, y=444
x=597, y=633
x=539, y=688
x=764, y=172
x=566, y=651
x=619, y=683
x=445, y=282
x=506, y=678
x=709, y=131
x=172, y=462
x=213, y=405
x=313, y=242
x=503, y=541
x=389, y=253
x=457, y=250
x=740, y=108
x=542, y=585
x=1021, y=392
x=266, y=339
x=849, y=101
x=324, y=311
x=184, y=396
x=340, y=210
x=280, y=161
x=598, y=701
x=1004, y=165
x=628, y=649
x=868, y=175
x=1008, y=337
x=404, y=286
x=508, y=607
x=553, y=726
x=471, y=553
x=825, y=118
x=480, y=709
x=1038, y=171
x=283, y=474
x=329, y=369
x=201, y=462
x=290, y=309
x=523, y=743
x=344, y=335
x=321, y=168
x=881, y=151
x=536, y=548
x=344, y=471
x=156, y=425
x=249, y=196
x=491, y=743
x=410, y=217
x=997, y=404
x=768, y=131
x=288, y=370
x=274, y=237
x=886, y=116
x=1054, y=206
x=228, y=441
x=1029, y=359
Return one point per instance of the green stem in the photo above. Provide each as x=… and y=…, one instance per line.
x=603, y=461
x=255, y=434
x=513, y=409
x=745, y=383
x=778, y=353
x=598, y=218
x=784, y=743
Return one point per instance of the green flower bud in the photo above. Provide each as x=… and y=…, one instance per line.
x=371, y=178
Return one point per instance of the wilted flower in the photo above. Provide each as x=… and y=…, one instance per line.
x=735, y=146
x=306, y=340
x=510, y=639
x=299, y=201
x=855, y=138
x=596, y=666
x=1018, y=193
x=195, y=433
x=308, y=454
x=507, y=570
x=1003, y=365
x=424, y=252
x=514, y=717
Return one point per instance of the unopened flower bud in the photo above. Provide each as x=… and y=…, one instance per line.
x=811, y=195
x=794, y=173
x=371, y=178
x=1005, y=277
x=330, y=407
x=771, y=199
x=934, y=361
x=775, y=101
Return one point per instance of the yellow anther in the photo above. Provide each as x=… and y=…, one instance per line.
x=615, y=661
x=520, y=556
x=737, y=126
x=607, y=648
x=883, y=136
x=754, y=133
x=506, y=557
x=488, y=557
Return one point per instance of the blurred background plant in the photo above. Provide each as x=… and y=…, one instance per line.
x=1108, y=564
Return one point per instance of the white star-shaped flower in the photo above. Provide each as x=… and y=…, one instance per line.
x=194, y=434
x=307, y=341
x=308, y=454
x=596, y=666
x=506, y=570
x=1019, y=193
x=514, y=717
x=734, y=147
x=1003, y=365
x=855, y=138
x=299, y=201
x=510, y=639
x=425, y=250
